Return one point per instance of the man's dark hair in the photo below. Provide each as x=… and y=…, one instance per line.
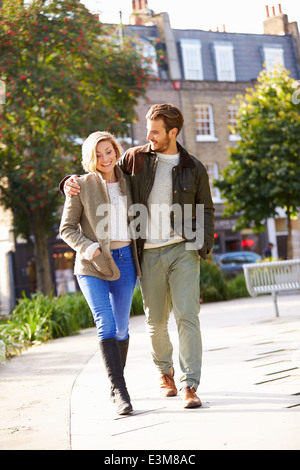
x=171, y=116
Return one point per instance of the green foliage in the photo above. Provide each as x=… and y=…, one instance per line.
x=76, y=305
x=263, y=171
x=66, y=75
x=213, y=285
x=237, y=287
x=39, y=318
x=137, y=307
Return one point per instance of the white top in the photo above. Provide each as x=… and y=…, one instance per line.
x=118, y=218
x=160, y=232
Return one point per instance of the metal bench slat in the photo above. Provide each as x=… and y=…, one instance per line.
x=272, y=277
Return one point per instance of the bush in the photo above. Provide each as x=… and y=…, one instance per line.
x=213, y=286
x=137, y=307
x=39, y=318
x=76, y=305
x=237, y=287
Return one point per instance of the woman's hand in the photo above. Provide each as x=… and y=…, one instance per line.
x=97, y=253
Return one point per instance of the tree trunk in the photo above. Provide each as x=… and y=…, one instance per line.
x=43, y=271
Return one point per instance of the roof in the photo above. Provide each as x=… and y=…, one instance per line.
x=248, y=49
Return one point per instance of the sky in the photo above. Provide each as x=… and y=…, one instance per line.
x=238, y=16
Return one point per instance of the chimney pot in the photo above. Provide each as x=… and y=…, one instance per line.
x=279, y=7
x=273, y=10
x=267, y=10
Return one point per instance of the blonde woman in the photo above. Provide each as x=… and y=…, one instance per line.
x=106, y=263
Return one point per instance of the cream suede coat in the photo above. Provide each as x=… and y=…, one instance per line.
x=79, y=226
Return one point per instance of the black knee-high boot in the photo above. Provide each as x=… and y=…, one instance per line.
x=112, y=360
x=123, y=348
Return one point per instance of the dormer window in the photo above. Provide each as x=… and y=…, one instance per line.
x=191, y=55
x=273, y=56
x=224, y=61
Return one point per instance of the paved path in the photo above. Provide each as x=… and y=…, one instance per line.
x=56, y=395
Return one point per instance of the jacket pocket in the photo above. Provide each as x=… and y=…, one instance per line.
x=101, y=264
x=188, y=187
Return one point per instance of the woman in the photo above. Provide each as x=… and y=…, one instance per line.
x=106, y=263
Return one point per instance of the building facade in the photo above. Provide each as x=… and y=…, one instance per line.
x=202, y=72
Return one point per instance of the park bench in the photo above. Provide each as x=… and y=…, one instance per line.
x=272, y=277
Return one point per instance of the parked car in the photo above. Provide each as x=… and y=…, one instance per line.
x=232, y=263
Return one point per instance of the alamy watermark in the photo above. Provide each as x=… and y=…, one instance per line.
x=2, y=92
x=157, y=224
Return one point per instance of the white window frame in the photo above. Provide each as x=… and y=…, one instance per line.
x=205, y=128
x=273, y=56
x=192, y=61
x=213, y=173
x=232, y=110
x=224, y=62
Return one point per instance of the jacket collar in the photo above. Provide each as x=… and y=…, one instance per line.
x=185, y=159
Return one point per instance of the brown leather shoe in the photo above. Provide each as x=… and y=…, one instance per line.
x=167, y=385
x=189, y=397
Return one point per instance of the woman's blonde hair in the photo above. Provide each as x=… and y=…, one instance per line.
x=89, y=157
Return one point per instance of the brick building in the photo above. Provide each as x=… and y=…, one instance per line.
x=202, y=72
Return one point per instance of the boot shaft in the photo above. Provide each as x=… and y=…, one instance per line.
x=110, y=352
x=123, y=348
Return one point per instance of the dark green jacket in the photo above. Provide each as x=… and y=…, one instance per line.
x=190, y=186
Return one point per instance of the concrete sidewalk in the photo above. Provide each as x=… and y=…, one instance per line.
x=56, y=395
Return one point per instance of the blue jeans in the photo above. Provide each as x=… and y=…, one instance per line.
x=110, y=301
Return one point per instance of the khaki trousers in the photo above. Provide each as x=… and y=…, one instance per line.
x=171, y=281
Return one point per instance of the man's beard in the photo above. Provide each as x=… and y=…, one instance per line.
x=162, y=146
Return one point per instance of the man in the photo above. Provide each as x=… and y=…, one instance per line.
x=268, y=251
x=163, y=174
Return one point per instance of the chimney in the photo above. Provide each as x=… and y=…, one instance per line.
x=139, y=5
x=280, y=25
x=140, y=12
x=276, y=24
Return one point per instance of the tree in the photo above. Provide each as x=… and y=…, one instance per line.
x=66, y=75
x=263, y=171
